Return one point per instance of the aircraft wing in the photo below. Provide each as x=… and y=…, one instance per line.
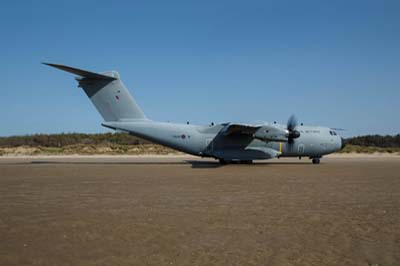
x=243, y=129
x=261, y=132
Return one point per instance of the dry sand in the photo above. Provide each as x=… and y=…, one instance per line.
x=187, y=211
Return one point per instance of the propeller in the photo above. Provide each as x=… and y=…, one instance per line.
x=291, y=127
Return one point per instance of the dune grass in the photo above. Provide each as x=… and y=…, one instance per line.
x=82, y=149
x=369, y=149
x=141, y=149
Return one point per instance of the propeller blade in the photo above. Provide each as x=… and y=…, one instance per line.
x=291, y=127
x=291, y=123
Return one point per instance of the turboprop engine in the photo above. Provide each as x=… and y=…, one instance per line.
x=270, y=133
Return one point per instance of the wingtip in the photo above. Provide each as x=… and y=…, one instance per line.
x=48, y=64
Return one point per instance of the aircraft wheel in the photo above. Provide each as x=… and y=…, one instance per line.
x=247, y=162
x=222, y=161
x=315, y=160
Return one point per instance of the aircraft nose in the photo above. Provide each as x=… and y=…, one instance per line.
x=343, y=143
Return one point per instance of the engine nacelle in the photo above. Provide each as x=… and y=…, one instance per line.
x=268, y=133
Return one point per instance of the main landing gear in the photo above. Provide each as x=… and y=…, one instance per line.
x=315, y=160
x=222, y=161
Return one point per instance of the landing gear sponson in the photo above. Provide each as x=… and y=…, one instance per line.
x=222, y=161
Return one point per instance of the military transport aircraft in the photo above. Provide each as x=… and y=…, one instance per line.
x=227, y=142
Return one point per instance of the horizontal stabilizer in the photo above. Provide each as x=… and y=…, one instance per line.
x=80, y=72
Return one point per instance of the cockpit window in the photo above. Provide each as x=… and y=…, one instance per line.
x=333, y=133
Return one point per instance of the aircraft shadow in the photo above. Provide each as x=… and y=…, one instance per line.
x=208, y=164
x=105, y=163
x=204, y=164
x=194, y=164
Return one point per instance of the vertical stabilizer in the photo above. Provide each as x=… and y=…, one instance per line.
x=108, y=94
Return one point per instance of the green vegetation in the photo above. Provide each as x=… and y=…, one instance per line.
x=376, y=141
x=368, y=149
x=125, y=144
x=61, y=140
x=373, y=144
x=77, y=143
x=82, y=149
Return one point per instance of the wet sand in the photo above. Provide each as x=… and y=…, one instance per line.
x=181, y=210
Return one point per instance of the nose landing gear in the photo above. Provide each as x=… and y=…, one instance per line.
x=315, y=160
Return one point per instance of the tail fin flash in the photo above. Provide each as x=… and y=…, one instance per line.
x=107, y=93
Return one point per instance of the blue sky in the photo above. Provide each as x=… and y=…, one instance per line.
x=332, y=63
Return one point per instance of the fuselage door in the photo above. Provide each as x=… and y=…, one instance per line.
x=301, y=148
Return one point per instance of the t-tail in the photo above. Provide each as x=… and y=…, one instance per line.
x=108, y=94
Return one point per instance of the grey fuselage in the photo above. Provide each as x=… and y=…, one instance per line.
x=205, y=141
